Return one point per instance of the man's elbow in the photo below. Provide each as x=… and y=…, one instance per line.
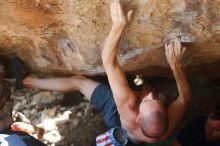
x=186, y=99
x=105, y=61
x=108, y=62
x=188, y=96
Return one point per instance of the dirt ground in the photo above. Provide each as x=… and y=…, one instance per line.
x=83, y=123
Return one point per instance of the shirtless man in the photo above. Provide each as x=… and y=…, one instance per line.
x=143, y=116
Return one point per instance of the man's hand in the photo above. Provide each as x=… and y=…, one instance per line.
x=174, y=52
x=119, y=18
x=21, y=126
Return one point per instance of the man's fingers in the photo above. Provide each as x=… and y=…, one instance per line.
x=116, y=10
x=19, y=124
x=15, y=128
x=171, y=49
x=171, y=45
x=15, y=124
x=166, y=48
x=177, y=43
x=113, y=8
x=120, y=11
x=129, y=15
x=113, y=11
x=116, y=4
x=179, y=46
x=183, y=50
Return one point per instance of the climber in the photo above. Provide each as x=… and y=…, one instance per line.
x=142, y=115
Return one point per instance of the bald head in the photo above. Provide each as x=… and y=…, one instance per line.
x=154, y=124
x=153, y=119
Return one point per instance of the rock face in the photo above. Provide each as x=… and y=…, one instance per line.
x=66, y=36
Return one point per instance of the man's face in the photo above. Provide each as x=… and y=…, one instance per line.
x=212, y=130
x=5, y=115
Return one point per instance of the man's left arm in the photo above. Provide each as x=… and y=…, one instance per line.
x=176, y=110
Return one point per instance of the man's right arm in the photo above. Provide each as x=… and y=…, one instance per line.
x=121, y=91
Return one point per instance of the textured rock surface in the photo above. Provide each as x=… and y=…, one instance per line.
x=65, y=36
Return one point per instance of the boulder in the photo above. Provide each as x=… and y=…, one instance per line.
x=65, y=37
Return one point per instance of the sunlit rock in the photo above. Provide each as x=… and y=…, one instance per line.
x=65, y=36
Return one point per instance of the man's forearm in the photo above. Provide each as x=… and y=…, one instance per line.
x=111, y=45
x=182, y=82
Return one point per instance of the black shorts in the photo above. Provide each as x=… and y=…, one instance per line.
x=103, y=101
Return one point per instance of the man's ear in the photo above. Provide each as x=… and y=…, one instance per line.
x=138, y=119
